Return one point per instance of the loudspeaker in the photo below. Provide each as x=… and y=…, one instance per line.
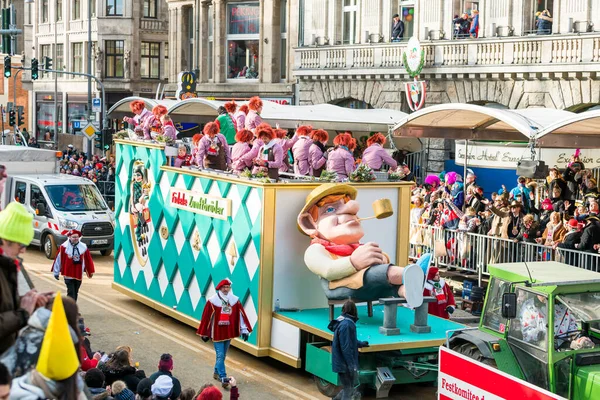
x=532, y=169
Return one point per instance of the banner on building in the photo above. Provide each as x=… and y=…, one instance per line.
x=507, y=157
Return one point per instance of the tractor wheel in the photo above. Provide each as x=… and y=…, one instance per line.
x=327, y=389
x=470, y=350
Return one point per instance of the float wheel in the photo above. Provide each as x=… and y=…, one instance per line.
x=326, y=388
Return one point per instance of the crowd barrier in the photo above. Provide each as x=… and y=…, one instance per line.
x=107, y=190
x=472, y=252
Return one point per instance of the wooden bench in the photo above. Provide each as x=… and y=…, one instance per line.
x=390, y=315
x=333, y=303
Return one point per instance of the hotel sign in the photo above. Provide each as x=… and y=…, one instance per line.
x=200, y=203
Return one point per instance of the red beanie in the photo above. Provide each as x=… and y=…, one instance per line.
x=432, y=272
x=210, y=393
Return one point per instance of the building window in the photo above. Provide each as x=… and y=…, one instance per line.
x=150, y=60
x=166, y=53
x=76, y=9
x=210, y=65
x=46, y=50
x=283, y=20
x=243, y=40
x=150, y=8
x=59, y=6
x=93, y=7
x=59, y=64
x=349, y=25
x=407, y=14
x=301, y=24
x=114, y=7
x=539, y=7
x=44, y=10
x=115, y=51
x=77, y=50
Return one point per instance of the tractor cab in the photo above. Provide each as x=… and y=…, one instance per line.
x=541, y=323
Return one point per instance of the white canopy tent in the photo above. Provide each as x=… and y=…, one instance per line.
x=469, y=121
x=121, y=108
x=578, y=131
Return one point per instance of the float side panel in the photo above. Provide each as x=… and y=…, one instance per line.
x=177, y=256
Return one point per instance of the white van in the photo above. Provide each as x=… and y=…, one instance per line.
x=59, y=202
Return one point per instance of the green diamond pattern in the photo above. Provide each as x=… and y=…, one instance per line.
x=186, y=276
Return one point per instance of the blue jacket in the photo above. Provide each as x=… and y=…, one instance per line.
x=344, y=350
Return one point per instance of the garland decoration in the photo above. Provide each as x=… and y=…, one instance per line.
x=416, y=72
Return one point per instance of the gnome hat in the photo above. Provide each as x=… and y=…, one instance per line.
x=58, y=358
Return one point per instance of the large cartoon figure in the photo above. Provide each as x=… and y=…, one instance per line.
x=348, y=268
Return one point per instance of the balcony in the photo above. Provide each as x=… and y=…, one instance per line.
x=538, y=55
x=154, y=25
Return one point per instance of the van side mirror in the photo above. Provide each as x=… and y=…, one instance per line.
x=509, y=305
x=40, y=209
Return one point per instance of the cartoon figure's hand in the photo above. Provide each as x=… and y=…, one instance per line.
x=367, y=255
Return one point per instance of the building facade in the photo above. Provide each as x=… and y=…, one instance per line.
x=237, y=49
x=345, y=55
x=129, y=53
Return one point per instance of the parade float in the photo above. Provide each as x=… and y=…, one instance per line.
x=180, y=231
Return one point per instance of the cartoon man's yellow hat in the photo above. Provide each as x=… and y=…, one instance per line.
x=58, y=358
x=325, y=190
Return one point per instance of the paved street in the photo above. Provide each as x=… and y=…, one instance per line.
x=115, y=319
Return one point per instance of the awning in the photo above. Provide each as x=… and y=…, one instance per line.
x=195, y=110
x=473, y=122
x=121, y=108
x=577, y=131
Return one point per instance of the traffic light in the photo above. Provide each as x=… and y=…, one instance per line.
x=98, y=140
x=7, y=67
x=47, y=63
x=11, y=118
x=6, y=45
x=34, y=69
x=20, y=120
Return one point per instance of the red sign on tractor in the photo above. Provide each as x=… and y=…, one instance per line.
x=463, y=378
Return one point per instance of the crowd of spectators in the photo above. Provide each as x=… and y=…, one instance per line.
x=560, y=212
x=97, y=169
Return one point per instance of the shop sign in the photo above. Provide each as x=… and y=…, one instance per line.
x=186, y=85
x=200, y=203
x=507, y=157
x=284, y=101
x=462, y=378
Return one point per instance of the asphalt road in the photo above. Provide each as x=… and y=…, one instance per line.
x=114, y=319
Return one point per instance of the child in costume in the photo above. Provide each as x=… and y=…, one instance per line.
x=72, y=260
x=438, y=288
x=223, y=319
x=348, y=268
x=183, y=158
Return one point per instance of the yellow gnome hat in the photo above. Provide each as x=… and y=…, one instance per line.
x=58, y=358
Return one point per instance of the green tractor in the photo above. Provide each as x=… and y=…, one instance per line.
x=540, y=323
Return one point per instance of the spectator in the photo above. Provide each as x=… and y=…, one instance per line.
x=590, y=235
x=5, y=380
x=529, y=230
x=118, y=367
x=555, y=179
x=544, y=23
x=144, y=389
x=188, y=394
x=120, y=391
x=165, y=366
x=474, y=198
x=55, y=375
x=501, y=218
x=522, y=190
x=94, y=380
x=474, y=31
x=162, y=388
x=210, y=392
x=470, y=178
x=461, y=26
x=554, y=232
x=408, y=175
x=397, y=28
x=570, y=241
x=23, y=355
x=344, y=349
x=16, y=232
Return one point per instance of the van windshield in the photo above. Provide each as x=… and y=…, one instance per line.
x=76, y=198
